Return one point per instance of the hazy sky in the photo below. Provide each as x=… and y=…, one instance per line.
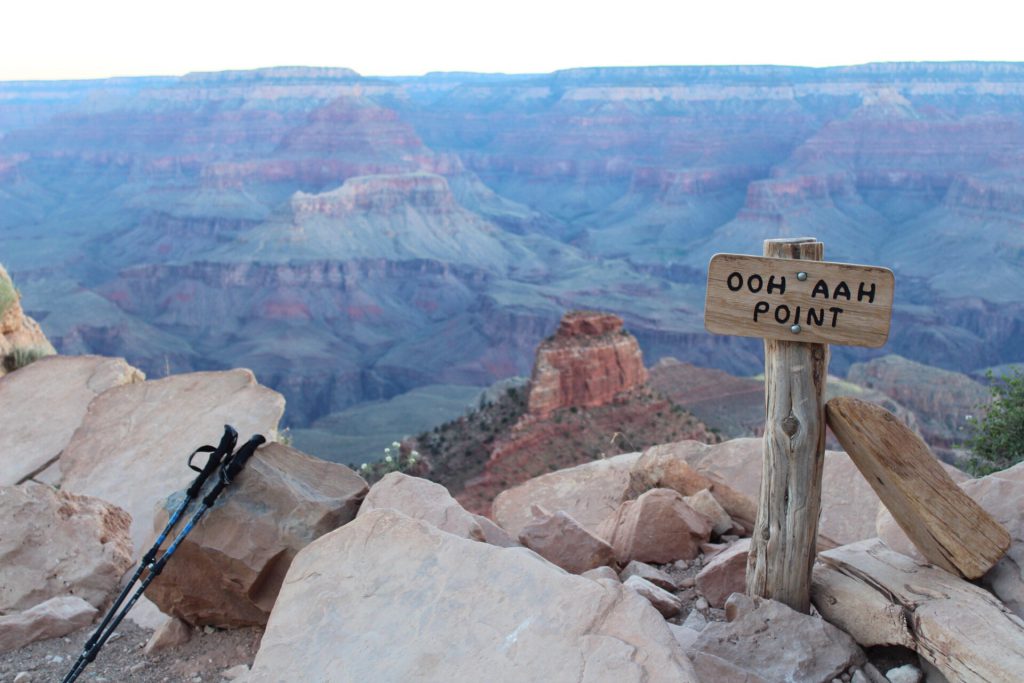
x=97, y=38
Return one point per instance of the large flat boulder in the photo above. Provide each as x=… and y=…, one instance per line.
x=1001, y=495
x=43, y=403
x=134, y=441
x=54, y=543
x=228, y=570
x=390, y=598
x=588, y=493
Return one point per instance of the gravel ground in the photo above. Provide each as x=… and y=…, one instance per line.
x=204, y=658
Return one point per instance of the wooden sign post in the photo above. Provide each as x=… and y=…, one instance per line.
x=798, y=304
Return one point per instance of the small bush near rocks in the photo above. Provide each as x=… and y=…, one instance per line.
x=23, y=356
x=8, y=294
x=397, y=458
x=997, y=437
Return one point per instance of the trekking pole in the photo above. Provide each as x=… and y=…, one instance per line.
x=226, y=475
x=223, y=449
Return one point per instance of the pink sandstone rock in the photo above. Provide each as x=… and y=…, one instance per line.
x=768, y=641
x=55, y=543
x=561, y=540
x=421, y=499
x=705, y=503
x=59, y=388
x=55, y=617
x=589, y=360
x=648, y=573
x=391, y=598
x=171, y=634
x=725, y=574
x=228, y=571
x=133, y=445
x=588, y=493
x=674, y=466
x=656, y=527
x=667, y=604
x=848, y=503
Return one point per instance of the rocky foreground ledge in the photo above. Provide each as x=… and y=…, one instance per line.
x=624, y=569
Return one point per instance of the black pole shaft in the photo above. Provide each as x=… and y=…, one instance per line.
x=93, y=644
x=228, y=471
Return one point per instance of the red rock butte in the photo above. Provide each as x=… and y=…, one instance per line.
x=587, y=363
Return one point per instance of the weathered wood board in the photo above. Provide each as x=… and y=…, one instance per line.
x=789, y=502
x=812, y=302
x=883, y=598
x=947, y=526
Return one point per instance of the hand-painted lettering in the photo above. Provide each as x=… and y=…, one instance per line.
x=863, y=293
x=780, y=286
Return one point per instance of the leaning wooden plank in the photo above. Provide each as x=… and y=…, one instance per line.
x=879, y=596
x=950, y=529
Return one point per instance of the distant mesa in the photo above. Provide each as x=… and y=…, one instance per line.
x=276, y=73
x=385, y=192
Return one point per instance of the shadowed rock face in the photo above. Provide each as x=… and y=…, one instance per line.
x=589, y=360
x=228, y=570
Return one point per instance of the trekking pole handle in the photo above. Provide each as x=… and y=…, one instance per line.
x=233, y=467
x=226, y=446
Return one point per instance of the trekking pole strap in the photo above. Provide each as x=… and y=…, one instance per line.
x=224, y=449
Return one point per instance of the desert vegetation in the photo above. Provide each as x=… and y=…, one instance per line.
x=997, y=435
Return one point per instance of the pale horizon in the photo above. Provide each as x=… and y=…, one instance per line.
x=66, y=40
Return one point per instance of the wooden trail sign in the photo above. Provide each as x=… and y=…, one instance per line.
x=821, y=303
x=799, y=305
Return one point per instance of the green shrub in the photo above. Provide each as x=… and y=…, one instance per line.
x=8, y=294
x=997, y=437
x=22, y=356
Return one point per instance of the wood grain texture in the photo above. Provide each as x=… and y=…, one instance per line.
x=881, y=597
x=789, y=503
x=853, y=318
x=947, y=526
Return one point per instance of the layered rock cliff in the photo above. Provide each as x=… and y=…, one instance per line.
x=21, y=338
x=587, y=363
x=941, y=399
x=588, y=399
x=586, y=188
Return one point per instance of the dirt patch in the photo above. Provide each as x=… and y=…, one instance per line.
x=204, y=658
